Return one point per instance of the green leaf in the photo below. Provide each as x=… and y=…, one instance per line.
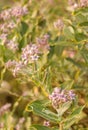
x=63, y=108
x=84, y=53
x=51, y=53
x=55, y=128
x=24, y=2
x=39, y=127
x=80, y=37
x=80, y=18
x=80, y=64
x=69, y=32
x=58, y=50
x=8, y=54
x=22, y=43
x=73, y=117
x=67, y=85
x=2, y=50
x=24, y=28
x=39, y=109
x=81, y=10
x=84, y=24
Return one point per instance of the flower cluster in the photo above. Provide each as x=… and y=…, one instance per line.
x=59, y=24
x=4, y=33
x=59, y=96
x=10, y=64
x=4, y=27
x=12, y=45
x=31, y=52
x=7, y=25
x=14, y=66
x=4, y=108
x=72, y=5
x=46, y=123
x=5, y=14
x=42, y=43
x=13, y=12
x=19, y=11
x=83, y=3
x=3, y=37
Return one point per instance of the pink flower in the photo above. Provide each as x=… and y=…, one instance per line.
x=83, y=3
x=19, y=11
x=59, y=24
x=6, y=14
x=59, y=96
x=46, y=123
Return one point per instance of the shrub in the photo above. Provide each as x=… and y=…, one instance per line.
x=49, y=54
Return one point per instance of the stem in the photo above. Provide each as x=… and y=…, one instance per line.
x=61, y=126
x=39, y=85
x=16, y=105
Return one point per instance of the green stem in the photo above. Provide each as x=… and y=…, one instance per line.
x=16, y=105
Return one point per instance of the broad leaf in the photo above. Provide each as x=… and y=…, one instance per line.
x=38, y=108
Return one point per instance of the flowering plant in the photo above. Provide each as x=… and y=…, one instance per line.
x=48, y=56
